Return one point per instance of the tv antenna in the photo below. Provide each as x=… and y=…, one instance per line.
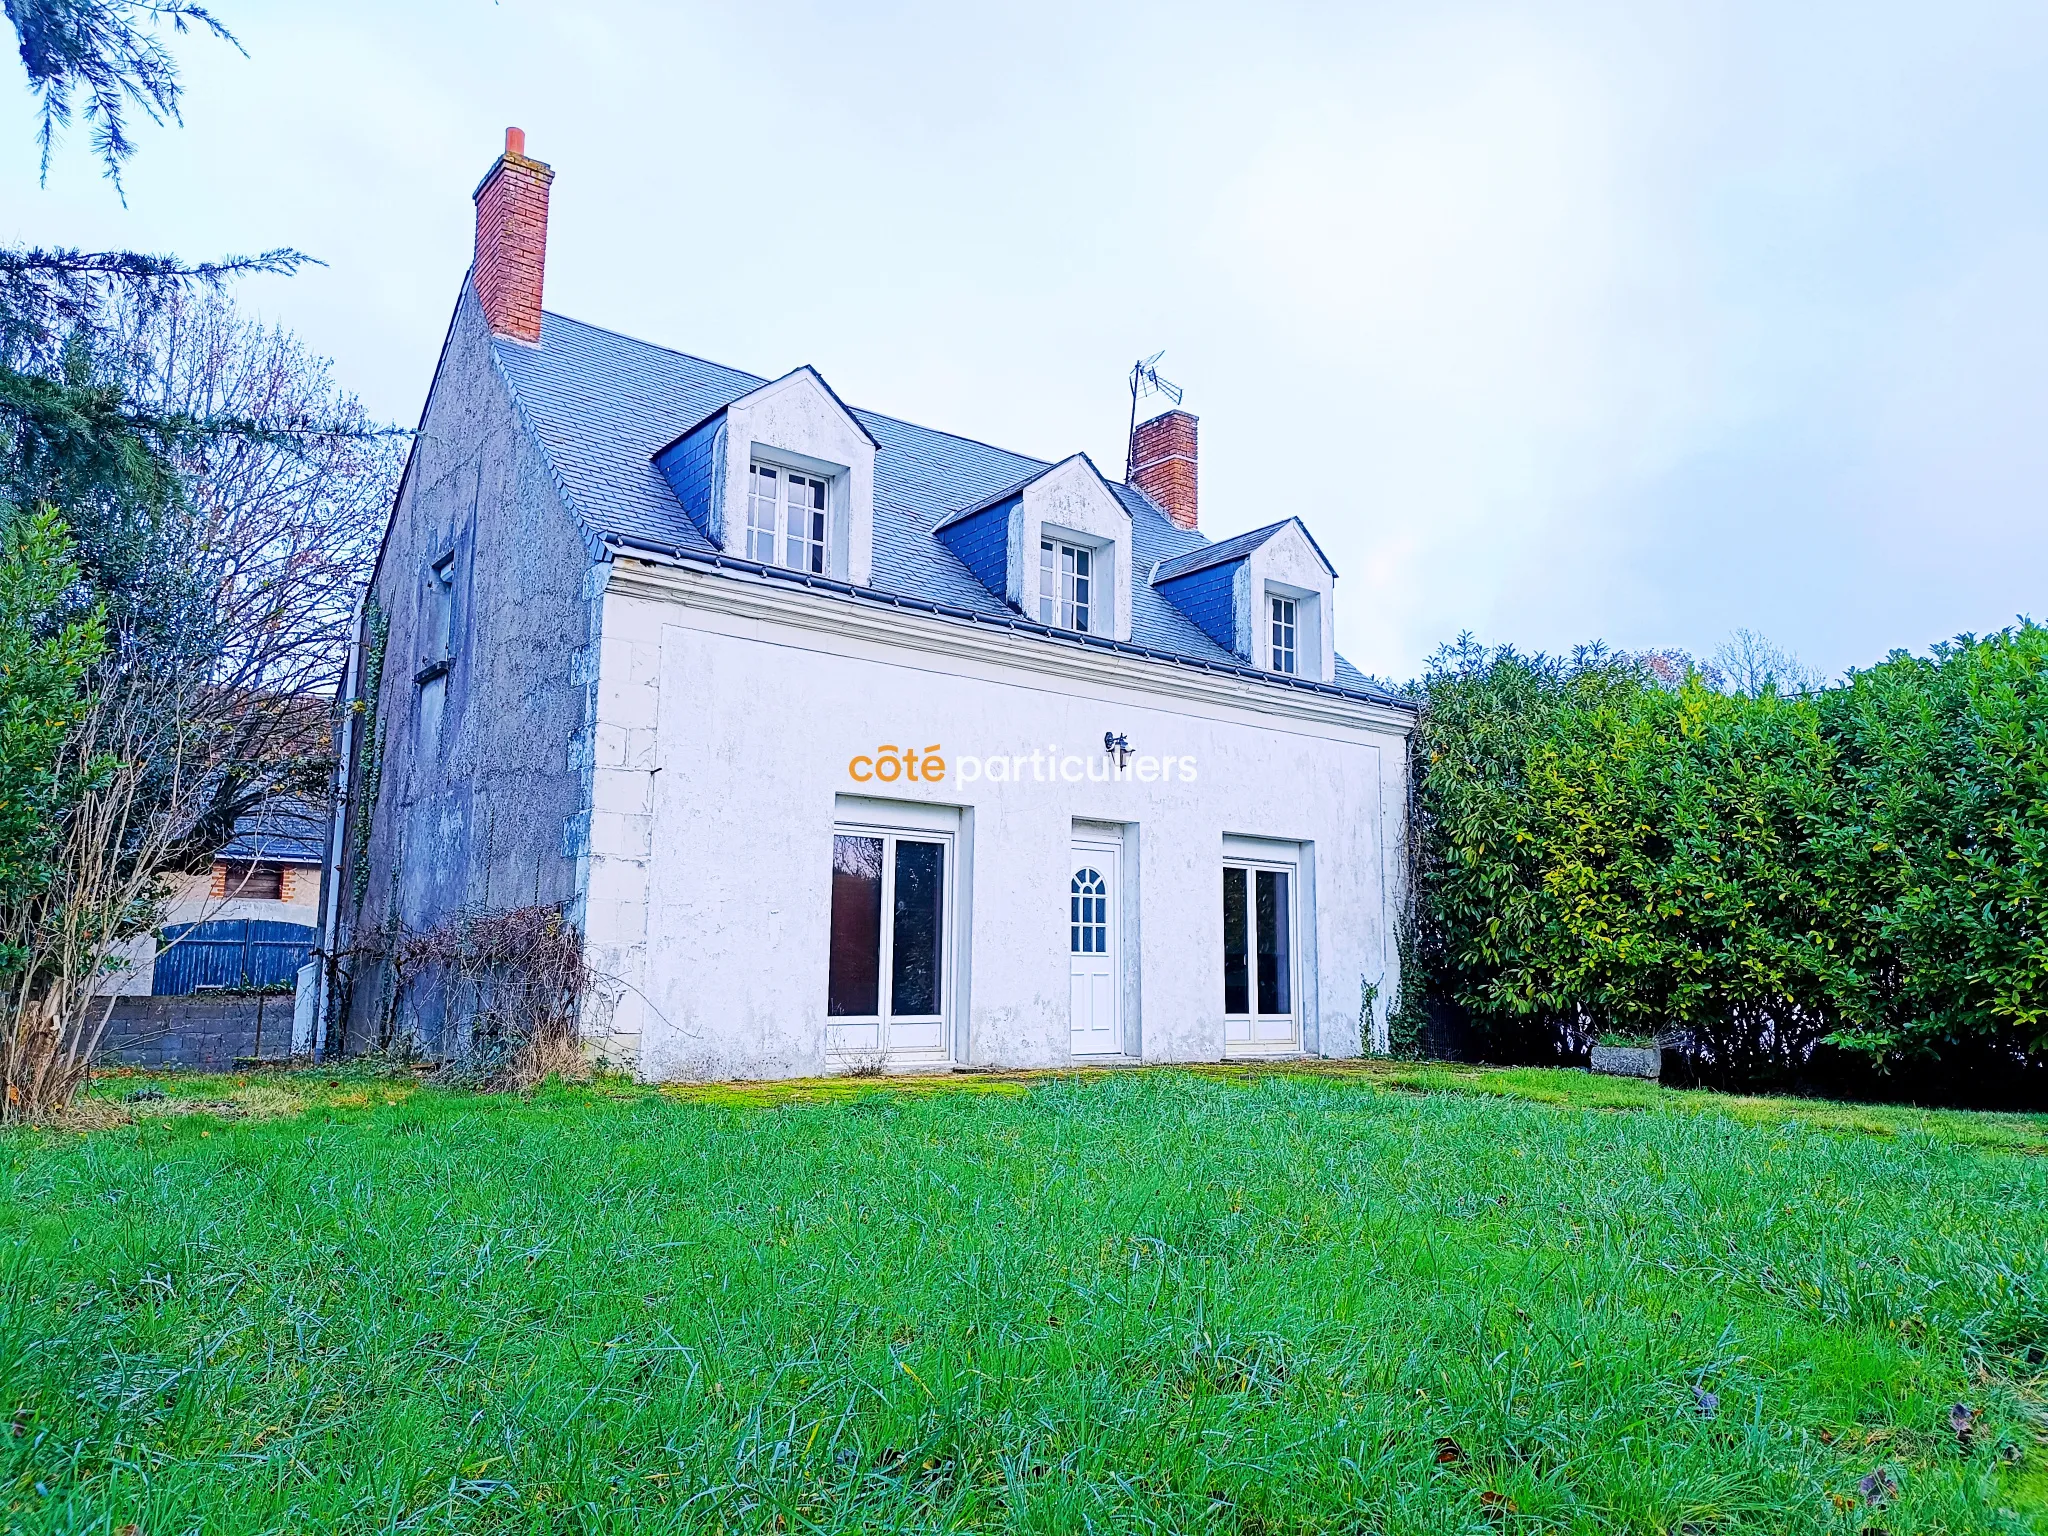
x=1145, y=380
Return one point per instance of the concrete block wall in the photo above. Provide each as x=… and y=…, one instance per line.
x=199, y=1031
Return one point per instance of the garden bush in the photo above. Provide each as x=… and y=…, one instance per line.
x=1846, y=880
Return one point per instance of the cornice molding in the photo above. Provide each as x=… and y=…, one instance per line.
x=744, y=596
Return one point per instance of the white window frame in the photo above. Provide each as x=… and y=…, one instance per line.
x=1066, y=591
x=1088, y=928
x=1250, y=1044
x=1284, y=632
x=851, y=1039
x=771, y=538
x=1102, y=847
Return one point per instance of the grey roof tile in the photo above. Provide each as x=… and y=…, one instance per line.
x=1236, y=547
x=287, y=830
x=603, y=404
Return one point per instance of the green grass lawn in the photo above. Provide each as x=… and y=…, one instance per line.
x=1398, y=1299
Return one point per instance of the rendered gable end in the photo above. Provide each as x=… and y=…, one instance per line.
x=486, y=806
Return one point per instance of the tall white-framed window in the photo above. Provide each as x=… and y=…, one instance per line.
x=1259, y=1009
x=1066, y=582
x=889, y=973
x=1283, y=634
x=786, y=518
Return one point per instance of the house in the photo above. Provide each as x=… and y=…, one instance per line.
x=215, y=984
x=248, y=921
x=850, y=743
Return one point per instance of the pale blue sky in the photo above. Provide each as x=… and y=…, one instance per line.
x=1555, y=322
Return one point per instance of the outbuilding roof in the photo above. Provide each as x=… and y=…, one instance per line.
x=602, y=405
x=286, y=830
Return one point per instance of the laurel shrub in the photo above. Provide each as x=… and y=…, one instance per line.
x=1604, y=843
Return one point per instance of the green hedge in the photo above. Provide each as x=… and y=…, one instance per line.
x=1600, y=848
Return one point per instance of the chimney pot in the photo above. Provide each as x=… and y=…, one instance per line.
x=1163, y=464
x=512, y=241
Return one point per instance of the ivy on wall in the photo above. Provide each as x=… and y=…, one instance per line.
x=369, y=748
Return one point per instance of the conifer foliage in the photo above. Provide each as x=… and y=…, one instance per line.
x=188, y=504
x=105, y=56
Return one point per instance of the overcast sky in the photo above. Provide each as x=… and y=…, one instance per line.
x=1556, y=322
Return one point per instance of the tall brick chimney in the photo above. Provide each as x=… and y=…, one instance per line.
x=512, y=240
x=1163, y=464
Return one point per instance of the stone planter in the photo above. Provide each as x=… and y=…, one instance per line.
x=1629, y=1060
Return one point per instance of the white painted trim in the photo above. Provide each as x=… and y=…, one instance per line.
x=897, y=815
x=892, y=819
x=1261, y=850
x=1253, y=854
x=757, y=602
x=1109, y=842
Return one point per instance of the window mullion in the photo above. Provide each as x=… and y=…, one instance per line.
x=885, y=1001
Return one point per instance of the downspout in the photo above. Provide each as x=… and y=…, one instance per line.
x=330, y=917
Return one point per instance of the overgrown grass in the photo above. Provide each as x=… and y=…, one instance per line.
x=1408, y=1299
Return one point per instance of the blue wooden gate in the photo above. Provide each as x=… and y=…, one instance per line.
x=244, y=952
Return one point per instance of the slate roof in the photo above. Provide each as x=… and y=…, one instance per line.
x=602, y=405
x=287, y=830
x=1236, y=547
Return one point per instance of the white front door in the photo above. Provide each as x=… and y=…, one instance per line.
x=1095, y=949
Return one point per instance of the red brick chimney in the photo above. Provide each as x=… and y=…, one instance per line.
x=1163, y=464
x=512, y=240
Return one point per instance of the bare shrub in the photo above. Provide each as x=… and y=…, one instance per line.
x=865, y=1064
x=511, y=985
x=226, y=554
x=109, y=858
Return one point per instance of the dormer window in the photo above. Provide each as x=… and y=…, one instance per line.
x=1264, y=596
x=784, y=475
x=1055, y=547
x=786, y=519
x=1064, y=580
x=1283, y=634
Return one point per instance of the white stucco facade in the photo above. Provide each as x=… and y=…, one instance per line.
x=675, y=649
x=738, y=725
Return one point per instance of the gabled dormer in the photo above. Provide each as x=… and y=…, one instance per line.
x=1265, y=596
x=785, y=476
x=1056, y=547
